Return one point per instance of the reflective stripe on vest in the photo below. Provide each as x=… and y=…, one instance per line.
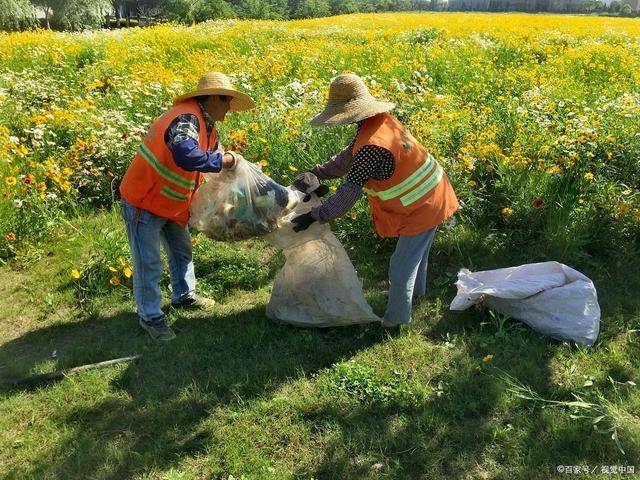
x=414, y=179
x=423, y=189
x=172, y=194
x=164, y=171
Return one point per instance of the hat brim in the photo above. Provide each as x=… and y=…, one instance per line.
x=350, y=112
x=239, y=103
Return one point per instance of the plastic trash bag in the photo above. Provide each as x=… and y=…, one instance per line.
x=550, y=297
x=239, y=204
x=318, y=286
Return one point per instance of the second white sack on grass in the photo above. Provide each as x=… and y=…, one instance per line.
x=550, y=297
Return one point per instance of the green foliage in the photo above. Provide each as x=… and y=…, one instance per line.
x=188, y=11
x=263, y=9
x=222, y=268
x=16, y=15
x=76, y=14
x=360, y=384
x=627, y=10
x=312, y=9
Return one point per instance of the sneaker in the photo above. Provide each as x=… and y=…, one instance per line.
x=195, y=301
x=158, y=330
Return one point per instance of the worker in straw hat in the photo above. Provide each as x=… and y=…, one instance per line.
x=408, y=191
x=158, y=187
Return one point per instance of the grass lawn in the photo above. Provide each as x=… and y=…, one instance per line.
x=237, y=396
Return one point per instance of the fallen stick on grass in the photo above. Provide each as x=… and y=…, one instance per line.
x=62, y=373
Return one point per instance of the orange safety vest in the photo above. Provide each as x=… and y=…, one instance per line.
x=153, y=181
x=418, y=196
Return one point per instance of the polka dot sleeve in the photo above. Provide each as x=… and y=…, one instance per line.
x=371, y=162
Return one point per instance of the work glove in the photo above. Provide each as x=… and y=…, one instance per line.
x=306, y=182
x=236, y=158
x=321, y=191
x=302, y=222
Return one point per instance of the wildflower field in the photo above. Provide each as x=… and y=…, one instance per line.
x=536, y=119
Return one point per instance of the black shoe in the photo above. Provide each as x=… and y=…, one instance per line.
x=158, y=330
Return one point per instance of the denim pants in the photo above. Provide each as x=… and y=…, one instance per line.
x=408, y=275
x=146, y=231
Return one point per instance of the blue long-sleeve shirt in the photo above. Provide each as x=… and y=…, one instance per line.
x=188, y=155
x=182, y=138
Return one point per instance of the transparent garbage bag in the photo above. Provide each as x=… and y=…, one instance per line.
x=550, y=297
x=239, y=204
x=317, y=286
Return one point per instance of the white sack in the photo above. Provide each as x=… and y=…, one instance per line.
x=318, y=286
x=550, y=297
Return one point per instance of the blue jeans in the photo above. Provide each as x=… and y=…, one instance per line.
x=408, y=275
x=146, y=231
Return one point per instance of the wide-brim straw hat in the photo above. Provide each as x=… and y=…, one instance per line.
x=216, y=83
x=349, y=101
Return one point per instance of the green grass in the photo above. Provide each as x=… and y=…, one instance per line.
x=236, y=396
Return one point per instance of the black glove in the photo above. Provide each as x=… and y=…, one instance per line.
x=306, y=182
x=302, y=222
x=321, y=191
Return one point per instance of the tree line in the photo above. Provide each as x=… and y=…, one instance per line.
x=87, y=14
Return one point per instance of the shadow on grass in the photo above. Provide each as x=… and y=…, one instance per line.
x=151, y=415
x=471, y=428
x=474, y=427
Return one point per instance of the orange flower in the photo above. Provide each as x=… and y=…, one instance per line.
x=11, y=236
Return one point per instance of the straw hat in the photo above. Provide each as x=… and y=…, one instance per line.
x=349, y=102
x=216, y=83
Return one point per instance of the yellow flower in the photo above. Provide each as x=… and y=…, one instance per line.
x=114, y=280
x=11, y=181
x=122, y=262
x=255, y=127
x=506, y=211
x=333, y=188
x=263, y=163
x=353, y=215
x=588, y=176
x=471, y=183
x=487, y=358
x=554, y=169
x=127, y=272
x=292, y=168
x=75, y=274
x=113, y=269
x=622, y=208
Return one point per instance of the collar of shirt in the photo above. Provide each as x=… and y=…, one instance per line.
x=207, y=117
x=359, y=126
